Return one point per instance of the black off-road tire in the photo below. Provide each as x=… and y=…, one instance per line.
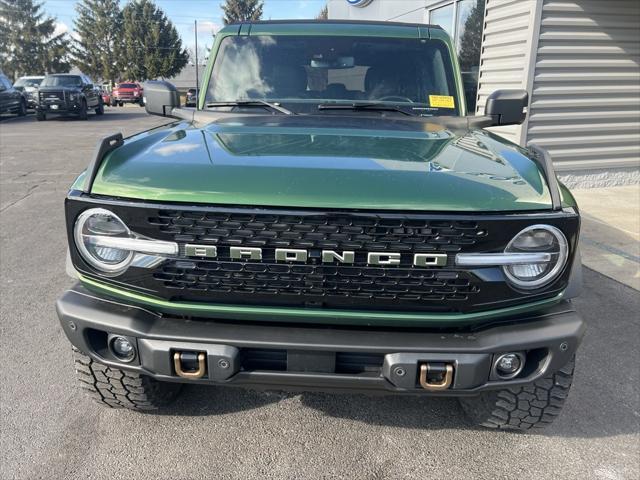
x=522, y=408
x=41, y=116
x=100, y=108
x=22, y=109
x=119, y=389
x=82, y=115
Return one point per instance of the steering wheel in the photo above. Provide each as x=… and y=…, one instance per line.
x=396, y=98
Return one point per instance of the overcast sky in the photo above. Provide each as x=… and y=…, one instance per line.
x=208, y=13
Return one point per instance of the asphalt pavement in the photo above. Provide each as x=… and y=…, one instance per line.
x=49, y=430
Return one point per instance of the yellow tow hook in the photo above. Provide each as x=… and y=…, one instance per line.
x=198, y=373
x=433, y=386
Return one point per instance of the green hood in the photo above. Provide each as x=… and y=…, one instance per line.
x=296, y=161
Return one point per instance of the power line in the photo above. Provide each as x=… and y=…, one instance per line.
x=405, y=13
x=68, y=15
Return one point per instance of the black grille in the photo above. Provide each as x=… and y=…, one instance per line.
x=318, y=285
x=364, y=283
x=319, y=231
x=52, y=96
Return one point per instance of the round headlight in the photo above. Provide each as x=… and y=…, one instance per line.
x=537, y=239
x=92, y=226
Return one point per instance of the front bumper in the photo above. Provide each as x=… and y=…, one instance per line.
x=337, y=358
x=128, y=99
x=32, y=102
x=59, y=108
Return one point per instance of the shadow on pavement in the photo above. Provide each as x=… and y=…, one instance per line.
x=6, y=118
x=111, y=114
x=210, y=400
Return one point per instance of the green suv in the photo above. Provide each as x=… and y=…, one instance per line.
x=329, y=217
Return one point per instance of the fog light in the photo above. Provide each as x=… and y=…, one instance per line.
x=123, y=349
x=508, y=365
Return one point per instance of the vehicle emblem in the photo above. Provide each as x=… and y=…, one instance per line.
x=326, y=256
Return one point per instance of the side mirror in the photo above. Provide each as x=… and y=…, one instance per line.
x=160, y=97
x=506, y=107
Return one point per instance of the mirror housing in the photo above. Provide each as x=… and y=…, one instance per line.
x=160, y=97
x=506, y=107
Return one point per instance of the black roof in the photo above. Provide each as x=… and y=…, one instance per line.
x=345, y=22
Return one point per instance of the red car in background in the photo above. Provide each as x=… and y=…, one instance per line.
x=127, y=92
x=105, y=91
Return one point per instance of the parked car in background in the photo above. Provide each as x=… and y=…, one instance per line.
x=66, y=94
x=105, y=92
x=11, y=99
x=29, y=88
x=127, y=92
x=192, y=98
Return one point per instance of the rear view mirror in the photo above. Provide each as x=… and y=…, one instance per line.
x=507, y=107
x=334, y=64
x=160, y=97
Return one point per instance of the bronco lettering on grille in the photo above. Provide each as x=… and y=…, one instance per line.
x=327, y=256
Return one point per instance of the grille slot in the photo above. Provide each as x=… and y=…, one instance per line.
x=357, y=363
x=398, y=284
x=349, y=232
x=264, y=359
x=353, y=363
x=314, y=283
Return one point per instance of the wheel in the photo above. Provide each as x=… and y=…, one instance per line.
x=113, y=103
x=522, y=408
x=141, y=102
x=119, y=389
x=41, y=116
x=83, y=111
x=22, y=109
x=121, y=104
x=100, y=108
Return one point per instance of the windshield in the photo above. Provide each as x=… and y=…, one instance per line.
x=62, y=81
x=28, y=82
x=295, y=70
x=127, y=85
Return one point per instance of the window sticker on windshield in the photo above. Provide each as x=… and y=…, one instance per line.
x=442, y=101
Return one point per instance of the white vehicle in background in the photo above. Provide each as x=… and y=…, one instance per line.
x=29, y=87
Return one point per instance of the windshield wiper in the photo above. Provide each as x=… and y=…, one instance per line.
x=252, y=103
x=375, y=106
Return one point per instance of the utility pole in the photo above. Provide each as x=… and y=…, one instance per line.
x=195, y=23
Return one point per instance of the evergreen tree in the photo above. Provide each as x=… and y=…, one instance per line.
x=471, y=40
x=98, y=51
x=323, y=14
x=241, y=10
x=152, y=46
x=28, y=45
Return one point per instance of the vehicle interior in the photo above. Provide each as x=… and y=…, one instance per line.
x=298, y=69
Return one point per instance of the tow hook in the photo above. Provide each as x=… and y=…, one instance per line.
x=436, y=376
x=189, y=364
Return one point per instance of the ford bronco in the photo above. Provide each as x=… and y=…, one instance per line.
x=329, y=217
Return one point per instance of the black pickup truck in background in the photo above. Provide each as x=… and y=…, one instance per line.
x=66, y=94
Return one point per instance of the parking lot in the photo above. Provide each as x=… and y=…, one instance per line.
x=49, y=431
